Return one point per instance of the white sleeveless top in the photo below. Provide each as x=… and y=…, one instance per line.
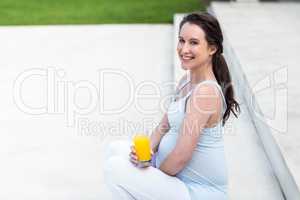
x=208, y=165
x=177, y=108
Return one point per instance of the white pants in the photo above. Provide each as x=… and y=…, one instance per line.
x=128, y=182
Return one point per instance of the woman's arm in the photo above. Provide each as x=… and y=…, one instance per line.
x=163, y=126
x=159, y=132
x=202, y=105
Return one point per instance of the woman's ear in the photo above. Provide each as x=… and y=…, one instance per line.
x=212, y=49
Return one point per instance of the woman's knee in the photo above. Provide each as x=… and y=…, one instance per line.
x=118, y=147
x=117, y=169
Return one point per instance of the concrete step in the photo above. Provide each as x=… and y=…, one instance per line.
x=45, y=156
x=261, y=48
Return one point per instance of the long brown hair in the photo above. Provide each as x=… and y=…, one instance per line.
x=213, y=35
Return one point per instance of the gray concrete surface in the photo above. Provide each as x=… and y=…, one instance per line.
x=263, y=45
x=52, y=135
x=45, y=156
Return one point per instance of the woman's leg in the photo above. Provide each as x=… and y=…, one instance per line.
x=129, y=182
x=117, y=147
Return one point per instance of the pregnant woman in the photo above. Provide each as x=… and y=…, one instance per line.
x=188, y=143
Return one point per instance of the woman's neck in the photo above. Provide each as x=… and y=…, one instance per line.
x=201, y=74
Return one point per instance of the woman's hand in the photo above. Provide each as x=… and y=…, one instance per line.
x=134, y=159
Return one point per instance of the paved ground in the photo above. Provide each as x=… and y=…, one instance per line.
x=265, y=39
x=44, y=156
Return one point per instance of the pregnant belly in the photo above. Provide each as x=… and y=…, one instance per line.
x=165, y=147
x=207, y=166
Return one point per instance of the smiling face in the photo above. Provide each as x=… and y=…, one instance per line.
x=192, y=48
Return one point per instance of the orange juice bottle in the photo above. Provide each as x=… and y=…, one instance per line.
x=143, y=149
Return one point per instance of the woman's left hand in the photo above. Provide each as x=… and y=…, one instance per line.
x=134, y=159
